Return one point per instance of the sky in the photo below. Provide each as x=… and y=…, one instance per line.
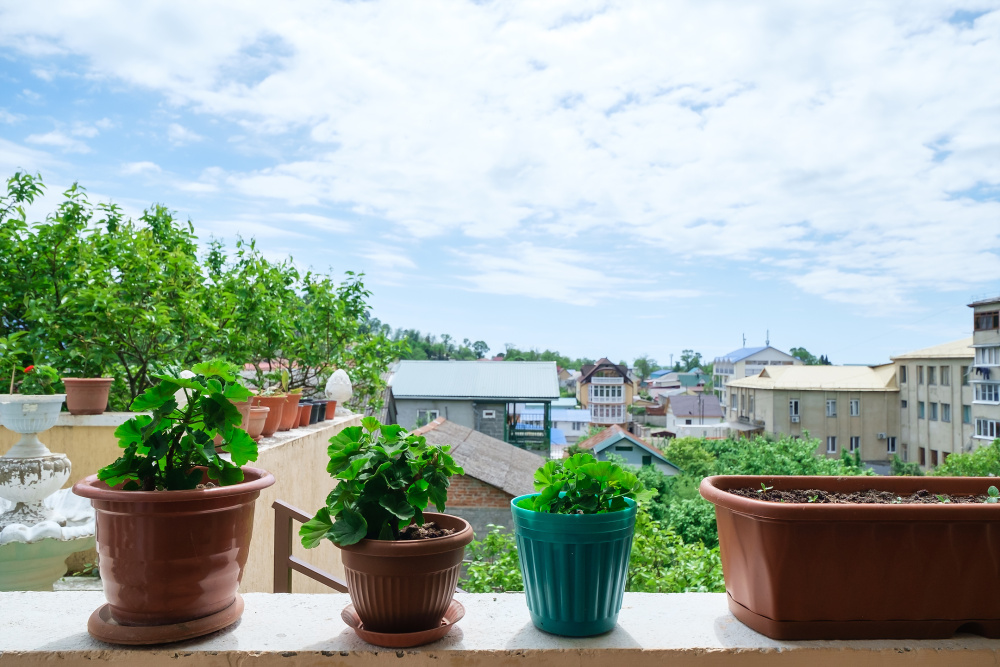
x=600, y=178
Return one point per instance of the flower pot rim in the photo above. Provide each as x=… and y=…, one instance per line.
x=632, y=508
x=32, y=398
x=411, y=548
x=715, y=490
x=99, y=379
x=254, y=479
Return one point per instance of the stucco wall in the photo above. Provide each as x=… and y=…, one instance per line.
x=491, y=426
x=458, y=412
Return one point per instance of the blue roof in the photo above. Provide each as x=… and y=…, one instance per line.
x=659, y=373
x=571, y=415
x=742, y=353
x=557, y=437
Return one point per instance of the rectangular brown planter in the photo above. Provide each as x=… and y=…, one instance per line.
x=907, y=571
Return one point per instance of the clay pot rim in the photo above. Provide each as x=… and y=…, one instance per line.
x=715, y=490
x=100, y=380
x=411, y=548
x=254, y=479
x=258, y=408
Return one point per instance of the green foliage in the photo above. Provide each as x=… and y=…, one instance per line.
x=983, y=462
x=693, y=519
x=39, y=380
x=992, y=495
x=583, y=485
x=783, y=456
x=421, y=347
x=385, y=479
x=491, y=564
x=644, y=366
x=901, y=468
x=691, y=455
x=803, y=355
x=514, y=354
x=662, y=562
x=162, y=450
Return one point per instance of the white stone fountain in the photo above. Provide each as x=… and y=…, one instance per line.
x=39, y=524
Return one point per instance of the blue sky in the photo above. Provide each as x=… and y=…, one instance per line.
x=605, y=179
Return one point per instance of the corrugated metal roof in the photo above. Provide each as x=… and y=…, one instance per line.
x=518, y=380
x=740, y=354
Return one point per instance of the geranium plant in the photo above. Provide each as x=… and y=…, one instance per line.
x=169, y=448
x=10, y=350
x=39, y=380
x=386, y=478
x=583, y=485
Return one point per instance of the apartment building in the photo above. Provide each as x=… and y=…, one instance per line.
x=985, y=372
x=853, y=408
x=606, y=389
x=935, y=402
x=741, y=363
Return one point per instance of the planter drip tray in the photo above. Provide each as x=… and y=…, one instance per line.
x=454, y=614
x=801, y=630
x=102, y=626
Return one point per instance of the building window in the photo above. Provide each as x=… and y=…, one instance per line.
x=855, y=443
x=931, y=372
x=902, y=374
x=427, y=416
x=734, y=402
x=623, y=448
x=906, y=450
x=987, y=356
x=966, y=414
x=831, y=444
x=489, y=414
x=647, y=460
x=920, y=409
x=987, y=392
x=987, y=428
x=687, y=422
x=890, y=446
x=902, y=403
x=577, y=426
x=855, y=407
x=934, y=412
x=987, y=321
x=965, y=376
x=831, y=407
x=920, y=374
x=946, y=376
x=946, y=412
x=751, y=405
x=793, y=407
x=923, y=456
x=934, y=457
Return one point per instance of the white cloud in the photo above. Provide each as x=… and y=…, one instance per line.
x=57, y=139
x=132, y=168
x=8, y=117
x=180, y=135
x=389, y=259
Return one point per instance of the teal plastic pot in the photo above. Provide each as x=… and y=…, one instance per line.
x=574, y=567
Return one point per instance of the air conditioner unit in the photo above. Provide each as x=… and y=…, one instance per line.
x=795, y=419
x=881, y=436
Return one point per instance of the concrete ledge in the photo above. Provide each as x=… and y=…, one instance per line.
x=114, y=419
x=653, y=630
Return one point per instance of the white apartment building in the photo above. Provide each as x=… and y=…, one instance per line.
x=742, y=363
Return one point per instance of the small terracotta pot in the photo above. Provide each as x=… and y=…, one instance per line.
x=331, y=410
x=173, y=556
x=406, y=586
x=258, y=416
x=290, y=416
x=87, y=396
x=277, y=405
x=305, y=409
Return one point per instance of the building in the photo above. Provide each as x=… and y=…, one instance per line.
x=481, y=395
x=616, y=440
x=689, y=415
x=741, y=363
x=853, y=408
x=985, y=377
x=935, y=402
x=606, y=389
x=495, y=473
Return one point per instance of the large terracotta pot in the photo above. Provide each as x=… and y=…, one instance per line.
x=331, y=410
x=277, y=406
x=406, y=586
x=258, y=415
x=290, y=415
x=858, y=571
x=173, y=556
x=87, y=396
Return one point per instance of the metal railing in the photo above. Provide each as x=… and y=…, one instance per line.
x=285, y=562
x=603, y=380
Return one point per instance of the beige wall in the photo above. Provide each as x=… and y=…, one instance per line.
x=933, y=435
x=296, y=458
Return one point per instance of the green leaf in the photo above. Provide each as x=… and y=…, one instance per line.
x=218, y=413
x=182, y=383
x=317, y=529
x=398, y=506
x=217, y=368
x=240, y=446
x=371, y=424
x=130, y=432
x=416, y=494
x=214, y=386
x=237, y=392
x=155, y=396
x=224, y=472
x=349, y=528
x=355, y=466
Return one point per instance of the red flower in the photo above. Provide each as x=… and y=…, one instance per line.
x=28, y=369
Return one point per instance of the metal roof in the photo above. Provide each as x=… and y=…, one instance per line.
x=507, y=380
x=959, y=349
x=741, y=354
x=830, y=378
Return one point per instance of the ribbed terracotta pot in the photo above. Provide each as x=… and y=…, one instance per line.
x=859, y=571
x=406, y=586
x=331, y=410
x=290, y=415
x=87, y=396
x=173, y=556
x=277, y=406
x=258, y=415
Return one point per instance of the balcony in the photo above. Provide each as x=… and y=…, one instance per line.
x=607, y=400
x=601, y=380
x=621, y=419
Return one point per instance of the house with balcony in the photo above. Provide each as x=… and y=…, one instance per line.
x=935, y=402
x=741, y=363
x=985, y=378
x=606, y=390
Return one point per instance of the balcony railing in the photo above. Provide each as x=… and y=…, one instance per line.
x=607, y=400
x=623, y=419
x=600, y=380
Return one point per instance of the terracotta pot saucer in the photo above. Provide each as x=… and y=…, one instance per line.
x=404, y=639
x=101, y=626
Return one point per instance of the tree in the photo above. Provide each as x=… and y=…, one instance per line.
x=481, y=349
x=803, y=355
x=983, y=462
x=689, y=359
x=644, y=366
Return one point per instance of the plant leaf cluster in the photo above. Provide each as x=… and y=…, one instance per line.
x=583, y=485
x=385, y=477
x=163, y=450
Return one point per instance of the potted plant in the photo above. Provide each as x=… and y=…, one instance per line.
x=192, y=508
x=402, y=563
x=574, y=538
x=859, y=557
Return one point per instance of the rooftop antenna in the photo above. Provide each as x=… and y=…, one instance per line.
x=744, y=340
x=767, y=337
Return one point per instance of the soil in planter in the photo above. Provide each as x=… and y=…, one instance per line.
x=870, y=497
x=424, y=532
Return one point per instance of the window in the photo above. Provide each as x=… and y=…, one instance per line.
x=987, y=356
x=831, y=407
x=427, y=416
x=965, y=376
x=623, y=448
x=902, y=403
x=987, y=321
x=920, y=409
x=890, y=446
x=734, y=401
x=855, y=407
x=987, y=428
x=902, y=374
x=946, y=376
x=577, y=426
x=987, y=392
x=687, y=422
x=934, y=412
x=946, y=412
x=923, y=456
x=934, y=457
x=920, y=374
x=647, y=460
x=793, y=407
x=906, y=450
x=855, y=443
x=831, y=444
x=966, y=414
x=489, y=414
x=751, y=405
x=931, y=372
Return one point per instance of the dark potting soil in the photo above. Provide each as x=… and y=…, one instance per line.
x=424, y=532
x=870, y=497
